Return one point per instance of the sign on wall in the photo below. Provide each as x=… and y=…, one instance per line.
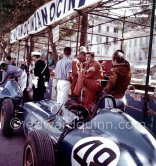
x=56, y=34
x=48, y=14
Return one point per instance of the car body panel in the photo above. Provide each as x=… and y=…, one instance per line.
x=11, y=89
x=136, y=145
x=110, y=137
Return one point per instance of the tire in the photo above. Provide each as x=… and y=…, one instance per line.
x=7, y=114
x=38, y=150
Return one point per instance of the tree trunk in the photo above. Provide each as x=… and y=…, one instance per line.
x=84, y=25
x=3, y=45
x=53, y=48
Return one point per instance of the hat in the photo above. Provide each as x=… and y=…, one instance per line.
x=36, y=53
x=83, y=49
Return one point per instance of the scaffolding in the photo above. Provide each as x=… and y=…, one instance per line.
x=128, y=16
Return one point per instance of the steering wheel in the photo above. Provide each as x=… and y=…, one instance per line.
x=80, y=111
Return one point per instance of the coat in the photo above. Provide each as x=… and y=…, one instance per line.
x=119, y=80
x=39, y=67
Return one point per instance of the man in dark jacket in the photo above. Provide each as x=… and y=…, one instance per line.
x=41, y=71
x=120, y=76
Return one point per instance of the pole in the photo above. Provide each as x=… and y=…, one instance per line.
x=18, y=53
x=9, y=51
x=149, y=60
x=77, y=43
x=92, y=35
x=31, y=48
x=48, y=45
x=123, y=28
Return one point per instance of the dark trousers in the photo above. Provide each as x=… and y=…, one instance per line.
x=38, y=93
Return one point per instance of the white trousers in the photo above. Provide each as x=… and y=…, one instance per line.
x=63, y=89
x=22, y=80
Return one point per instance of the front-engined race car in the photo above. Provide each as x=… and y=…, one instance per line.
x=57, y=136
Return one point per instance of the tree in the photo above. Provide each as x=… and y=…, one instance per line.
x=84, y=26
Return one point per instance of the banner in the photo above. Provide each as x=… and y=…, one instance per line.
x=48, y=14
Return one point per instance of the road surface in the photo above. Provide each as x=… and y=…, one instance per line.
x=11, y=149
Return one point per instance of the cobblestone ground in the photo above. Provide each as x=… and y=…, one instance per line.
x=11, y=149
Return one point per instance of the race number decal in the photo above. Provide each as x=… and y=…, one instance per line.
x=95, y=151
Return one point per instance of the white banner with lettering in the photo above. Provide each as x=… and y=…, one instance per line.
x=48, y=14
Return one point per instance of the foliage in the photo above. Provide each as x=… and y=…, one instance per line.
x=15, y=12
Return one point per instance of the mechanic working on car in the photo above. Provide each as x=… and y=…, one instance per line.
x=16, y=72
x=119, y=78
x=41, y=72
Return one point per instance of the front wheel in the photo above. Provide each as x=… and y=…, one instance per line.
x=7, y=113
x=38, y=150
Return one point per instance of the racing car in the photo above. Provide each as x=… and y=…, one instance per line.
x=59, y=136
x=11, y=97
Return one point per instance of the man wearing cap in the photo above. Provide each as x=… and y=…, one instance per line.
x=16, y=72
x=41, y=71
x=62, y=73
x=77, y=67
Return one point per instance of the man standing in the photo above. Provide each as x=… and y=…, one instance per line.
x=41, y=71
x=77, y=67
x=62, y=72
x=91, y=79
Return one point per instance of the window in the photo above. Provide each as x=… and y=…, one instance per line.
x=147, y=40
x=115, y=40
x=130, y=41
x=98, y=50
x=99, y=39
x=130, y=55
x=99, y=28
x=106, y=40
x=106, y=50
x=115, y=30
x=134, y=54
x=140, y=58
x=135, y=42
x=107, y=29
x=141, y=41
